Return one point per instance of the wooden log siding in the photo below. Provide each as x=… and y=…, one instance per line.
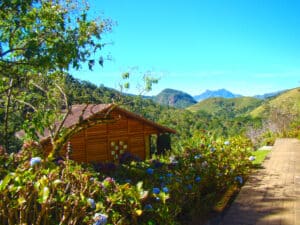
x=129, y=133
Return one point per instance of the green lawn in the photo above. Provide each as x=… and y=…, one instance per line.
x=260, y=156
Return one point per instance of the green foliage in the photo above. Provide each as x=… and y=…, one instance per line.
x=160, y=191
x=39, y=41
x=294, y=131
x=228, y=107
x=260, y=156
x=287, y=102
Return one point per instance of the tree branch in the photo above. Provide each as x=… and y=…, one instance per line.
x=11, y=50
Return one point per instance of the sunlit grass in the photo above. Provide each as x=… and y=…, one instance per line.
x=260, y=156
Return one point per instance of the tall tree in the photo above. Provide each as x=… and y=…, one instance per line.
x=40, y=40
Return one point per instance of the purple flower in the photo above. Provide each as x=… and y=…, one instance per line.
x=165, y=189
x=189, y=187
x=109, y=180
x=148, y=207
x=100, y=219
x=156, y=190
x=35, y=160
x=150, y=171
x=198, y=179
x=91, y=203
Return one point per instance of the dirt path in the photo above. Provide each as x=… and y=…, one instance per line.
x=271, y=196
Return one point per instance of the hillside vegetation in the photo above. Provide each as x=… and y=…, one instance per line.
x=288, y=101
x=229, y=106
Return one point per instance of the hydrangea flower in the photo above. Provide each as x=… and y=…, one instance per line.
x=150, y=171
x=165, y=189
x=100, y=219
x=226, y=143
x=252, y=158
x=173, y=160
x=197, y=156
x=148, y=207
x=35, y=160
x=109, y=179
x=239, y=179
x=169, y=175
x=198, y=179
x=156, y=190
x=91, y=203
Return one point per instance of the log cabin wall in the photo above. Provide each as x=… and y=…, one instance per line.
x=105, y=142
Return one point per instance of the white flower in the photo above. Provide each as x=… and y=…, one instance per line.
x=35, y=161
x=226, y=143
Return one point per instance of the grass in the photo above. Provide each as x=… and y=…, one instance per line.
x=260, y=156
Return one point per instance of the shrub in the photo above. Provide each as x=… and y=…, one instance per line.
x=158, y=191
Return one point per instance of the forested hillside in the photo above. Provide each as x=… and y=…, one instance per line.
x=174, y=98
x=288, y=102
x=230, y=106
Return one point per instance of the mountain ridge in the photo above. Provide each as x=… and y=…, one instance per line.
x=174, y=98
x=223, y=93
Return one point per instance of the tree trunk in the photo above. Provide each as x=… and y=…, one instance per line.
x=6, y=118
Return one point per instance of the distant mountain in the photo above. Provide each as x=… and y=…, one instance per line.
x=227, y=106
x=269, y=95
x=223, y=93
x=175, y=98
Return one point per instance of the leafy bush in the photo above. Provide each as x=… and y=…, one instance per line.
x=159, y=191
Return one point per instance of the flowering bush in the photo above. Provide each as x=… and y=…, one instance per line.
x=158, y=191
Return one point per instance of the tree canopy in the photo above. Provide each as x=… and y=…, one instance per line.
x=40, y=41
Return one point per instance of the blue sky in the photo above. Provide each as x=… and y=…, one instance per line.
x=246, y=46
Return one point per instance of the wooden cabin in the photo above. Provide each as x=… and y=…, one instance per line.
x=123, y=132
